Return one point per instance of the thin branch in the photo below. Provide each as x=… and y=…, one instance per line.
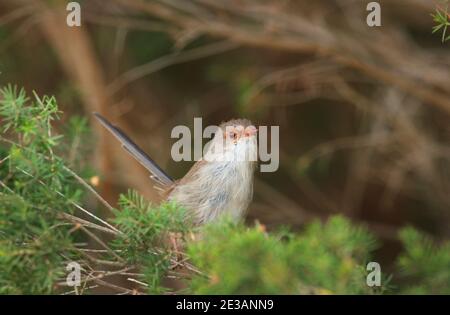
x=169, y=60
x=90, y=188
x=99, y=241
x=138, y=282
x=118, y=288
x=85, y=223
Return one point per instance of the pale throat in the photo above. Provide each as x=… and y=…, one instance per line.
x=244, y=150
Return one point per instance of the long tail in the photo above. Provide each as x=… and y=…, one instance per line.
x=157, y=173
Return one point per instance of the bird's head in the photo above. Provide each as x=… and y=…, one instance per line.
x=235, y=140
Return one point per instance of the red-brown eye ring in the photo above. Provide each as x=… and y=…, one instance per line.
x=250, y=131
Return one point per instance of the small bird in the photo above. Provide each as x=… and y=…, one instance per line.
x=219, y=184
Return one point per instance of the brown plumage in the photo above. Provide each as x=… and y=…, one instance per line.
x=219, y=184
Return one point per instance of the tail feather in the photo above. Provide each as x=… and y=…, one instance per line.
x=157, y=173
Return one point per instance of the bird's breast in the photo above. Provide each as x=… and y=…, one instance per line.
x=215, y=189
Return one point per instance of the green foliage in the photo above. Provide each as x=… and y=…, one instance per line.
x=324, y=259
x=147, y=231
x=35, y=189
x=441, y=17
x=38, y=191
x=424, y=266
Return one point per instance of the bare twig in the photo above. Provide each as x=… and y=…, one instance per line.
x=168, y=60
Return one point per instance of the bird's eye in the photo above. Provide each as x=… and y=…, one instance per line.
x=233, y=135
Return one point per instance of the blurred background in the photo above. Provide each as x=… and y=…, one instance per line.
x=363, y=111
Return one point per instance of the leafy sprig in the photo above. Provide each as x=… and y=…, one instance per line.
x=442, y=19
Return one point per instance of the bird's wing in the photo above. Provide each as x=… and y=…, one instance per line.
x=157, y=173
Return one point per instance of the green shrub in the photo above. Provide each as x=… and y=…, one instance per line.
x=325, y=259
x=44, y=225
